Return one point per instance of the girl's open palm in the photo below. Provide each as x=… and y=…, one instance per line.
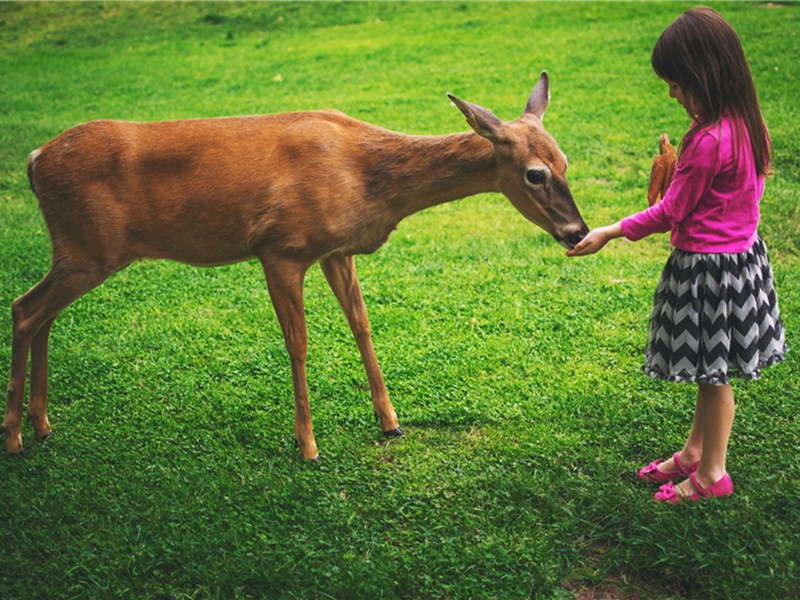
x=593, y=242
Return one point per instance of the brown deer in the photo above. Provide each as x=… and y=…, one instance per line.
x=289, y=189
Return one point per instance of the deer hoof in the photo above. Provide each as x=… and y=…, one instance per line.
x=398, y=432
x=47, y=436
x=13, y=447
x=314, y=458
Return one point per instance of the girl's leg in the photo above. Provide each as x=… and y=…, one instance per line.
x=713, y=424
x=692, y=450
x=717, y=414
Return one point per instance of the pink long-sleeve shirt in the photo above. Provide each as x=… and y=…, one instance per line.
x=712, y=203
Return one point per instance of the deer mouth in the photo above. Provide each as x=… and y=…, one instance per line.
x=571, y=239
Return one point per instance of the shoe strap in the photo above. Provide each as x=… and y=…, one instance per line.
x=700, y=489
x=679, y=465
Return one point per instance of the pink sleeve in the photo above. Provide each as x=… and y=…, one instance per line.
x=697, y=167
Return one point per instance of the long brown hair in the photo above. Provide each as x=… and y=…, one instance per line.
x=702, y=53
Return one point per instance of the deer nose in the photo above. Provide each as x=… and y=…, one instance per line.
x=575, y=237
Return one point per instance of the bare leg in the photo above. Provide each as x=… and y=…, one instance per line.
x=715, y=413
x=692, y=450
x=340, y=271
x=285, y=283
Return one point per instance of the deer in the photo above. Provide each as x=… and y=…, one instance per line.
x=291, y=190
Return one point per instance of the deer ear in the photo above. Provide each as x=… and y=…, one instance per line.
x=482, y=120
x=540, y=97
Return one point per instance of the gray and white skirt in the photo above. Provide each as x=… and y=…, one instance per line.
x=715, y=316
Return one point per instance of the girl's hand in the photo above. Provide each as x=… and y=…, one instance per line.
x=595, y=240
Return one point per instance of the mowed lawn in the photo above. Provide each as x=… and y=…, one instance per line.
x=513, y=369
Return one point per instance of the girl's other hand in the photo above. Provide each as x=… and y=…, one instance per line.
x=595, y=240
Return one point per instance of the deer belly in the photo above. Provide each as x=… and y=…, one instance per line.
x=202, y=236
x=368, y=238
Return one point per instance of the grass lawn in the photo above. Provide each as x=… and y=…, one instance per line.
x=514, y=370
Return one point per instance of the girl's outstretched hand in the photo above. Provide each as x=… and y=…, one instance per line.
x=595, y=240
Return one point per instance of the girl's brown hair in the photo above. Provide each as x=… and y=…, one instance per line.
x=701, y=52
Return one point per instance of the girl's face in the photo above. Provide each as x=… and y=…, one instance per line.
x=683, y=99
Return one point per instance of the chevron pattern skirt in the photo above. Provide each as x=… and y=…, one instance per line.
x=715, y=316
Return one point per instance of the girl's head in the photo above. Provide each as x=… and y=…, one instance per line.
x=702, y=53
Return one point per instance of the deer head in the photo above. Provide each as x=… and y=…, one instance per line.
x=530, y=166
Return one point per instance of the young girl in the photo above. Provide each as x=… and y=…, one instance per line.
x=715, y=313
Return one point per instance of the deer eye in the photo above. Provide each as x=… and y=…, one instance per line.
x=536, y=176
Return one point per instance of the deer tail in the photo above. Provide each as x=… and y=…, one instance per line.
x=31, y=167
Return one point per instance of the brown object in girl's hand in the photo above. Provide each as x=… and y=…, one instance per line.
x=662, y=171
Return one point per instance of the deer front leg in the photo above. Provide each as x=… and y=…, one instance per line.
x=285, y=284
x=340, y=271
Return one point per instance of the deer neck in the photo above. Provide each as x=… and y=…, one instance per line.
x=413, y=173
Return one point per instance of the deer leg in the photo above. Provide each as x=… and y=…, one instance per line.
x=25, y=326
x=12, y=421
x=37, y=403
x=33, y=315
x=285, y=284
x=340, y=271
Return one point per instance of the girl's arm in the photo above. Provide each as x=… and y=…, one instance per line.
x=595, y=240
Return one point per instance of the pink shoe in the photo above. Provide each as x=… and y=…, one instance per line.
x=651, y=474
x=668, y=493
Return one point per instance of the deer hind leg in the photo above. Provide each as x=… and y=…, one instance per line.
x=340, y=271
x=33, y=315
x=37, y=403
x=285, y=284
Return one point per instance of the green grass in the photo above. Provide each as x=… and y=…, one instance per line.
x=514, y=370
